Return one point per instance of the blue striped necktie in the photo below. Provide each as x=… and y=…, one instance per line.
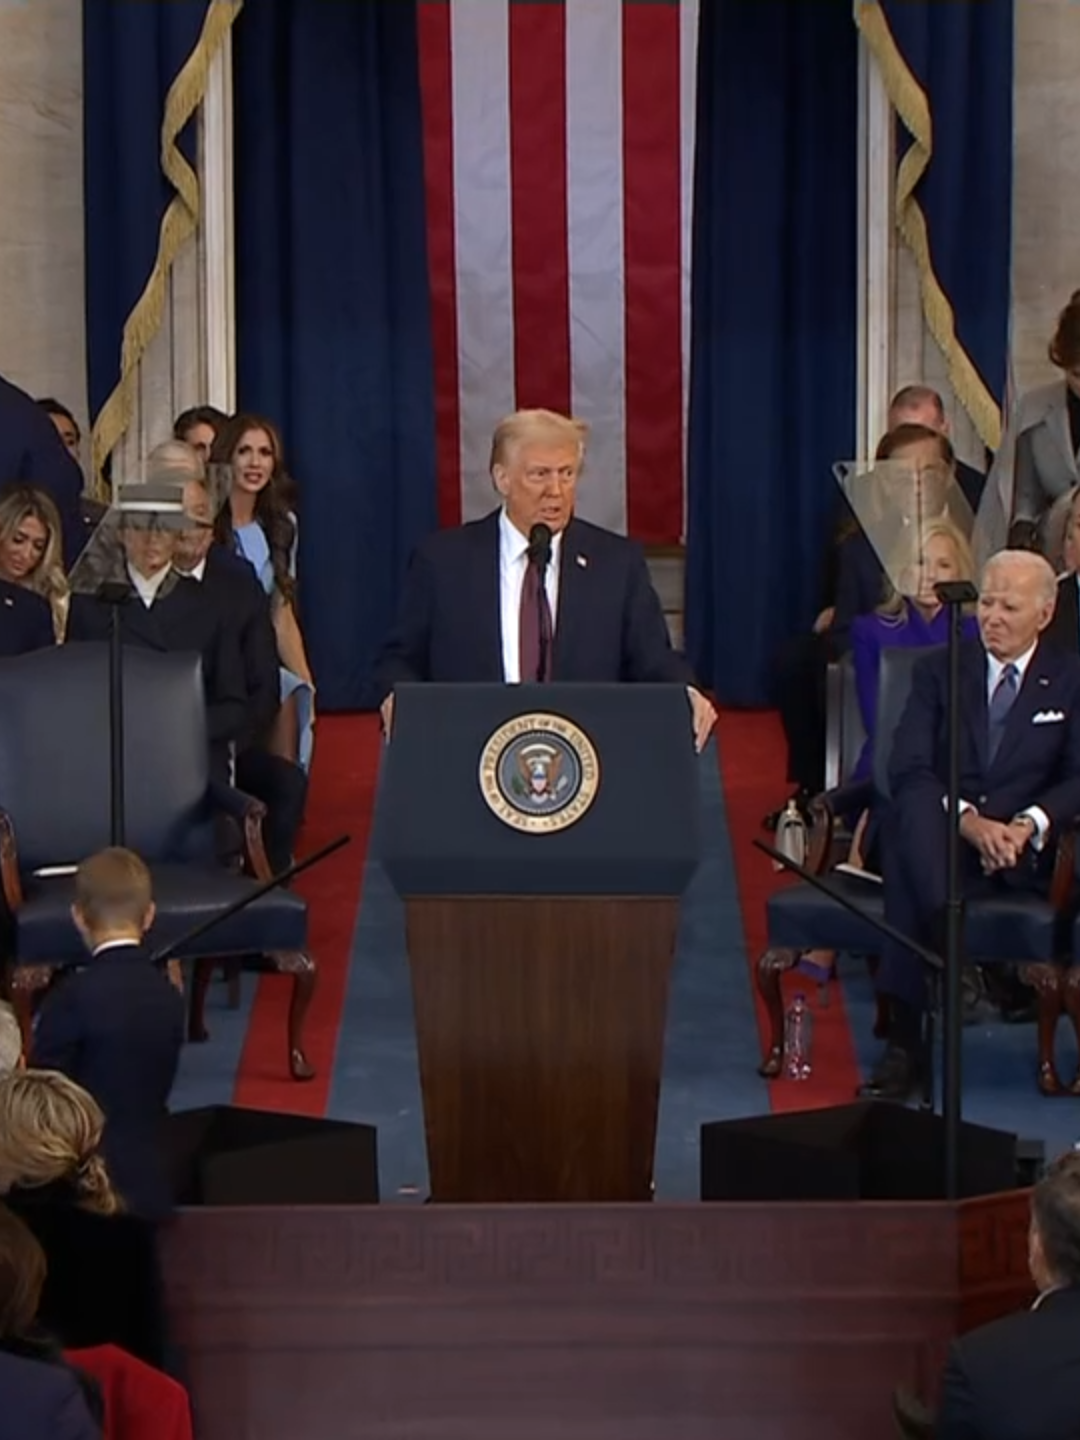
x=1001, y=702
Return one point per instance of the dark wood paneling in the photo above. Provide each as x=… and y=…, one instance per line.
x=540, y=1028
x=992, y=1238
x=583, y=1323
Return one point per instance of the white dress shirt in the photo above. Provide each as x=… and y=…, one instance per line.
x=147, y=587
x=513, y=562
x=994, y=670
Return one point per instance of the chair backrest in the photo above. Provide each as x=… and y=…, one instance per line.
x=844, y=732
x=894, y=687
x=55, y=753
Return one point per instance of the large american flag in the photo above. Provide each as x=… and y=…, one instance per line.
x=559, y=155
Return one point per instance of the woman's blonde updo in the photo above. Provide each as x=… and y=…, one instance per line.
x=50, y=1130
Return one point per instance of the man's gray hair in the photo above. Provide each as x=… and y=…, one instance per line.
x=11, y=1045
x=175, y=461
x=1025, y=562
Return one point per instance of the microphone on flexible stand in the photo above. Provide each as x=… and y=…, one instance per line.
x=540, y=556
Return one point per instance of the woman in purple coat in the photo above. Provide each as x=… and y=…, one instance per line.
x=911, y=615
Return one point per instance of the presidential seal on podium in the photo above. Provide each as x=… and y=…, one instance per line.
x=539, y=773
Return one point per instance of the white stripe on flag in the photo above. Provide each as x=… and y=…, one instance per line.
x=688, y=46
x=595, y=224
x=479, y=49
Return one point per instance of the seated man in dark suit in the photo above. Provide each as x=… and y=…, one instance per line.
x=1019, y=784
x=168, y=612
x=32, y=451
x=232, y=586
x=25, y=620
x=483, y=603
x=1019, y=1377
x=116, y=1026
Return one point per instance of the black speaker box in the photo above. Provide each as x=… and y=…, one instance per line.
x=224, y=1155
x=867, y=1151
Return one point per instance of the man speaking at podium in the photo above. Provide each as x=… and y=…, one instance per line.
x=530, y=593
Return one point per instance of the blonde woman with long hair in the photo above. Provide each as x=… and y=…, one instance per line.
x=104, y=1284
x=31, y=548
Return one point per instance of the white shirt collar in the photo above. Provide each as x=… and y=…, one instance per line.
x=196, y=573
x=513, y=546
x=147, y=587
x=995, y=667
x=114, y=945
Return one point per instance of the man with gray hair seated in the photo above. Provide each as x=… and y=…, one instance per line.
x=1019, y=785
x=11, y=1043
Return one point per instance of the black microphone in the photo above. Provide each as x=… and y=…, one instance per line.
x=540, y=556
x=540, y=546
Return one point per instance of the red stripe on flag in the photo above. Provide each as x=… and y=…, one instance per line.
x=653, y=272
x=538, y=206
x=436, y=86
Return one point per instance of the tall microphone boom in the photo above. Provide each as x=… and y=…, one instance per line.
x=168, y=951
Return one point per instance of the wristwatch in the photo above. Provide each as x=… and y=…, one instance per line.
x=1025, y=820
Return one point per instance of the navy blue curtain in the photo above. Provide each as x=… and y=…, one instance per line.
x=131, y=56
x=961, y=58
x=334, y=335
x=774, y=322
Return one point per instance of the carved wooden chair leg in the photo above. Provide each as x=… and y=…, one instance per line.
x=201, y=975
x=1070, y=987
x=301, y=967
x=1048, y=983
x=769, y=969
x=232, y=970
x=27, y=981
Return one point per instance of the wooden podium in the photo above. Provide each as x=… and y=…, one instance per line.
x=540, y=948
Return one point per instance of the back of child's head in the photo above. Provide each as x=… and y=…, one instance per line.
x=112, y=891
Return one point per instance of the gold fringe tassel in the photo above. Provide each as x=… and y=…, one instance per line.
x=178, y=225
x=912, y=105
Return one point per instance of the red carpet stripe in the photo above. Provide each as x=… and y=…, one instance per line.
x=752, y=765
x=341, y=801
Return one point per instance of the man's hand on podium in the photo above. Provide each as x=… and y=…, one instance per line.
x=703, y=717
x=386, y=715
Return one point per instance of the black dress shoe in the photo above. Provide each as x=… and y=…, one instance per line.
x=896, y=1076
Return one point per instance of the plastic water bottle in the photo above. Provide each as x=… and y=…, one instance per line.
x=798, y=1028
x=791, y=835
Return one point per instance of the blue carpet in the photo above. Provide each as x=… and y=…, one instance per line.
x=208, y=1072
x=998, y=1069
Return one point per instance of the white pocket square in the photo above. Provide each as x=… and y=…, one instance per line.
x=1048, y=717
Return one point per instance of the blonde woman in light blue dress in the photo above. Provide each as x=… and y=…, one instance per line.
x=256, y=521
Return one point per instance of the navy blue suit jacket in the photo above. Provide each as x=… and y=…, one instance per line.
x=1036, y=763
x=115, y=1026
x=608, y=627
x=233, y=587
x=32, y=453
x=25, y=620
x=39, y=1401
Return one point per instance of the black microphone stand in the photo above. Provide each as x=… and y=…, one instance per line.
x=955, y=594
x=540, y=556
x=116, y=594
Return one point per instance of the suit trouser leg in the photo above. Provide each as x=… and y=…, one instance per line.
x=800, y=698
x=914, y=834
x=282, y=787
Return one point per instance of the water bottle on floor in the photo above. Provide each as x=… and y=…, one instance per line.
x=791, y=838
x=798, y=1027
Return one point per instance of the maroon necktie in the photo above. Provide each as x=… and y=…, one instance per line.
x=535, y=627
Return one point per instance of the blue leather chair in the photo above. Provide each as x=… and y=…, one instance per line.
x=55, y=799
x=1007, y=928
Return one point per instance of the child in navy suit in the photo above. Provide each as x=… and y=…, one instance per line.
x=115, y=1026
